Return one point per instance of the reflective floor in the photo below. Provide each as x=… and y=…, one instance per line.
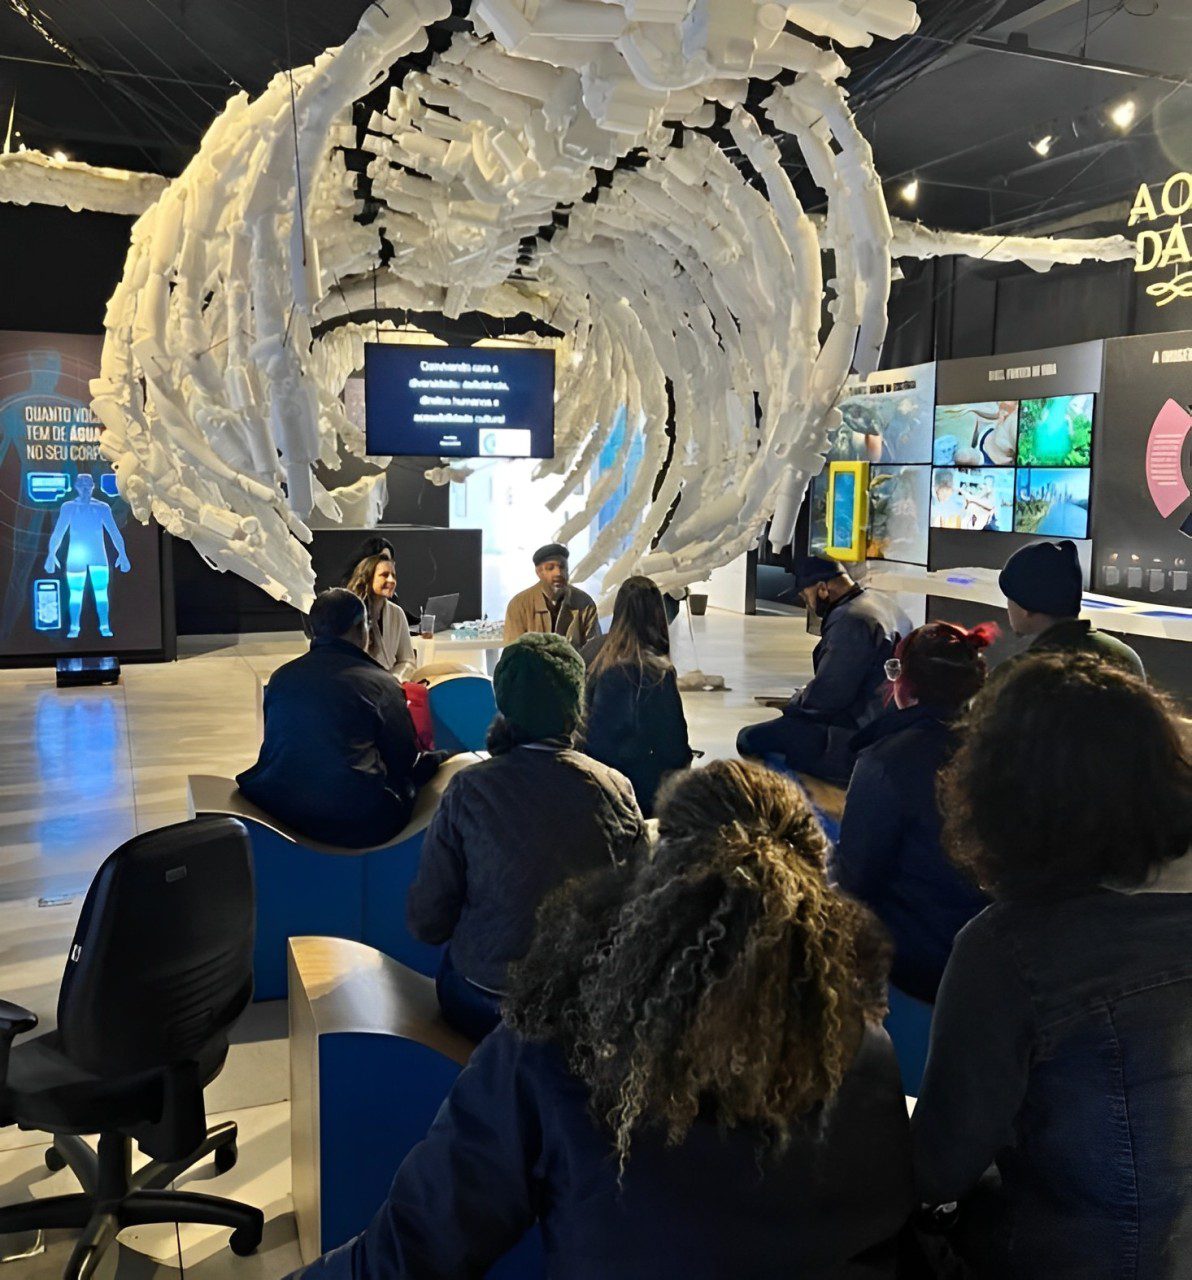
x=82, y=770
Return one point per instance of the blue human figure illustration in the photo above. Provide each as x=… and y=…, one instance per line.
x=46, y=377
x=86, y=519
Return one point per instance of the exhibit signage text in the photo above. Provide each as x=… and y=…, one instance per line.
x=1164, y=248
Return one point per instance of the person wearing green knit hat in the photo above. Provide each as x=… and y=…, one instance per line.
x=539, y=687
x=512, y=828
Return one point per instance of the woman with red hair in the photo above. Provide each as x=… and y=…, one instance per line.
x=890, y=854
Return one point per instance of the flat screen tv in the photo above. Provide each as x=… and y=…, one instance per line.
x=1056, y=432
x=1052, y=501
x=981, y=434
x=459, y=402
x=974, y=499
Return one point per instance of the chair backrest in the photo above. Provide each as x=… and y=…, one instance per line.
x=161, y=962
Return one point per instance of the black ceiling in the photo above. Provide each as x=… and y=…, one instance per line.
x=135, y=83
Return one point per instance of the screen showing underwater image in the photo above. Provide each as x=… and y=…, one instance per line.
x=844, y=499
x=980, y=434
x=886, y=417
x=899, y=502
x=1057, y=432
x=973, y=499
x=1053, y=501
x=817, y=513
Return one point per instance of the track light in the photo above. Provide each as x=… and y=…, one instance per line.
x=1121, y=114
x=910, y=191
x=1042, y=146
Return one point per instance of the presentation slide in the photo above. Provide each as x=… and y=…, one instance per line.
x=984, y=434
x=973, y=499
x=459, y=402
x=1053, y=502
x=1057, y=432
x=78, y=575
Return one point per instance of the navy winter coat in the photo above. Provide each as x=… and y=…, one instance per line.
x=889, y=854
x=635, y=724
x=339, y=750
x=507, y=831
x=515, y=1142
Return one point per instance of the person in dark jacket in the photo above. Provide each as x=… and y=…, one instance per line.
x=860, y=630
x=1043, y=585
x=693, y=1080
x=635, y=720
x=339, y=763
x=1061, y=1048
x=513, y=827
x=889, y=854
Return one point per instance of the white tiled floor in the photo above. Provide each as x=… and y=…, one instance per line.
x=83, y=770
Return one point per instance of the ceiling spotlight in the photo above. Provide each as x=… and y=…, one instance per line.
x=61, y=157
x=910, y=191
x=1042, y=146
x=1122, y=114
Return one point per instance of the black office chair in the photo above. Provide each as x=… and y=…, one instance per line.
x=159, y=970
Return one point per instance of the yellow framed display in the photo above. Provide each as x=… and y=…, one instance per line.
x=848, y=510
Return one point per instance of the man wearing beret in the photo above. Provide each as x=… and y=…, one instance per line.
x=860, y=631
x=552, y=605
x=1043, y=585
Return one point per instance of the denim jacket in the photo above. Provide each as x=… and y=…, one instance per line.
x=1061, y=1050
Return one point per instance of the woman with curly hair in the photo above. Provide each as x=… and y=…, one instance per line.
x=1061, y=1050
x=691, y=1080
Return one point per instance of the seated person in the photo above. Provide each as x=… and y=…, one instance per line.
x=889, y=854
x=693, y=1082
x=552, y=605
x=389, y=643
x=635, y=720
x=513, y=827
x=1061, y=1048
x=1043, y=586
x=339, y=762
x=860, y=630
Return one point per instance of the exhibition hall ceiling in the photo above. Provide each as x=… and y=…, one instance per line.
x=999, y=111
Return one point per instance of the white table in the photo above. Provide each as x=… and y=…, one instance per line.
x=446, y=646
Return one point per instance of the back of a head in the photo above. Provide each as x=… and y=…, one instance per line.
x=727, y=971
x=1071, y=774
x=162, y=956
x=335, y=614
x=538, y=684
x=943, y=665
x=639, y=633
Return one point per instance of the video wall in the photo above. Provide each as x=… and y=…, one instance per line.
x=967, y=459
x=1014, y=466
x=78, y=575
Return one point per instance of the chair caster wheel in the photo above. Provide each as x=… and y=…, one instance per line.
x=226, y=1157
x=54, y=1161
x=246, y=1240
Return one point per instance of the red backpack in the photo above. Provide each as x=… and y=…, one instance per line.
x=418, y=700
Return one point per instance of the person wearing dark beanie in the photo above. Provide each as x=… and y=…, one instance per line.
x=514, y=827
x=1043, y=584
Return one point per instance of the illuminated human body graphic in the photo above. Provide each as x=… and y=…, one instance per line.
x=85, y=519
